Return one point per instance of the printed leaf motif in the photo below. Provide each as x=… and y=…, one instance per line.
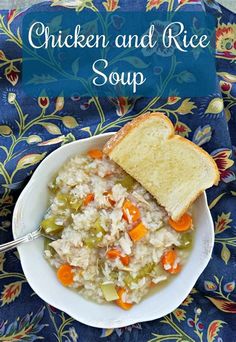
x=173, y=99
x=51, y=128
x=2, y=260
x=5, y=212
x=26, y=328
x=222, y=223
x=135, y=61
x=154, y=4
x=38, y=79
x=18, y=35
x=33, y=139
x=229, y=287
x=227, y=77
x=75, y=66
x=69, y=122
x=11, y=292
x=216, y=106
x=182, y=129
x=202, y=135
x=124, y=105
x=68, y=138
x=180, y=314
x=2, y=56
x=12, y=74
x=187, y=301
x=186, y=107
x=213, y=330
x=224, y=305
x=194, y=290
x=59, y=103
x=225, y=254
x=29, y=160
x=5, y=130
x=106, y=332
x=87, y=129
x=227, y=114
x=209, y=285
x=216, y=200
x=11, y=15
x=14, y=186
x=52, y=141
x=185, y=77
x=55, y=24
x=43, y=102
x=223, y=161
x=111, y=5
x=73, y=334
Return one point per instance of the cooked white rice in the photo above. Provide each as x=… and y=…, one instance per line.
x=89, y=231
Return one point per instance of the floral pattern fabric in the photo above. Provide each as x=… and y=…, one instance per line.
x=31, y=128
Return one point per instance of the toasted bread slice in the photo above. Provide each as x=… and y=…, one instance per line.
x=173, y=169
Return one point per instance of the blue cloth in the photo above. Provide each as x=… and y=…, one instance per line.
x=31, y=128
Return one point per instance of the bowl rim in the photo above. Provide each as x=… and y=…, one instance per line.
x=119, y=322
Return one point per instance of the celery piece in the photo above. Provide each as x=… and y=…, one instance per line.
x=185, y=241
x=99, y=228
x=114, y=275
x=62, y=197
x=109, y=291
x=129, y=280
x=53, y=186
x=93, y=239
x=47, y=246
x=145, y=270
x=90, y=242
x=50, y=227
x=76, y=204
x=127, y=182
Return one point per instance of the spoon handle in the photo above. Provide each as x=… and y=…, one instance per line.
x=15, y=243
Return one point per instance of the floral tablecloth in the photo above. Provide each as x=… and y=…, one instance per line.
x=31, y=128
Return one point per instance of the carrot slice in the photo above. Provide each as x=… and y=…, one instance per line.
x=183, y=224
x=113, y=253
x=175, y=270
x=125, y=260
x=169, y=259
x=129, y=209
x=89, y=198
x=95, y=154
x=138, y=232
x=65, y=274
x=120, y=302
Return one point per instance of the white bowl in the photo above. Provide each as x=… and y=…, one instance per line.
x=29, y=211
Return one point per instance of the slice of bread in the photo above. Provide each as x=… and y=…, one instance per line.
x=173, y=169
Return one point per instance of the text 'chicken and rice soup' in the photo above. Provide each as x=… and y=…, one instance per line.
x=113, y=241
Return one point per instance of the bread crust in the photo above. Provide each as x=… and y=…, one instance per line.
x=120, y=135
x=113, y=141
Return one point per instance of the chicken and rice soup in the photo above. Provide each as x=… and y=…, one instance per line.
x=113, y=241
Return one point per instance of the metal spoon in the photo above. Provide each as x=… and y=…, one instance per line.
x=26, y=238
